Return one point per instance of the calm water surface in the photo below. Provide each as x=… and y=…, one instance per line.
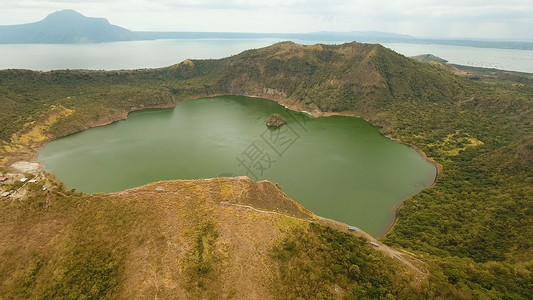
x=338, y=167
x=121, y=55
x=503, y=59
x=163, y=53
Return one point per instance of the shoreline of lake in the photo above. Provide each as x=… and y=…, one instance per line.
x=314, y=113
x=33, y=149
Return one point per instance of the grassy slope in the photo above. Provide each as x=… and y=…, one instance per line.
x=472, y=226
x=188, y=241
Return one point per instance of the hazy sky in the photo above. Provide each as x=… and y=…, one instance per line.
x=509, y=19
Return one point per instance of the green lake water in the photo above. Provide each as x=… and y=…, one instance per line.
x=338, y=167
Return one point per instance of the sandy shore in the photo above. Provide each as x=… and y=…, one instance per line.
x=27, y=167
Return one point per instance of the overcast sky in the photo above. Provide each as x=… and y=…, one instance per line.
x=486, y=19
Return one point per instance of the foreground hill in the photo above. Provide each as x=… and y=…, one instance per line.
x=187, y=239
x=471, y=229
x=64, y=27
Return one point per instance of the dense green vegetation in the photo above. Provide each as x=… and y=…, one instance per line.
x=474, y=226
x=30, y=96
x=201, y=260
x=314, y=259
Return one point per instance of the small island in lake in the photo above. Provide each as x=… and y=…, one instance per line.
x=275, y=120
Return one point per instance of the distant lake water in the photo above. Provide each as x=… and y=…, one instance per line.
x=503, y=59
x=121, y=55
x=163, y=53
x=338, y=167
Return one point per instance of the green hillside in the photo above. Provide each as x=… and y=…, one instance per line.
x=472, y=229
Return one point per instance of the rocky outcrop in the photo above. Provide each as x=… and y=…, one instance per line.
x=275, y=120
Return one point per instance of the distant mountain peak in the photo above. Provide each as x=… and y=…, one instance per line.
x=65, y=27
x=66, y=12
x=70, y=15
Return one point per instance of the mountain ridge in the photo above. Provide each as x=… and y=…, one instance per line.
x=69, y=26
x=64, y=27
x=101, y=31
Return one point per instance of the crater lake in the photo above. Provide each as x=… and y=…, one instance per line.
x=338, y=167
